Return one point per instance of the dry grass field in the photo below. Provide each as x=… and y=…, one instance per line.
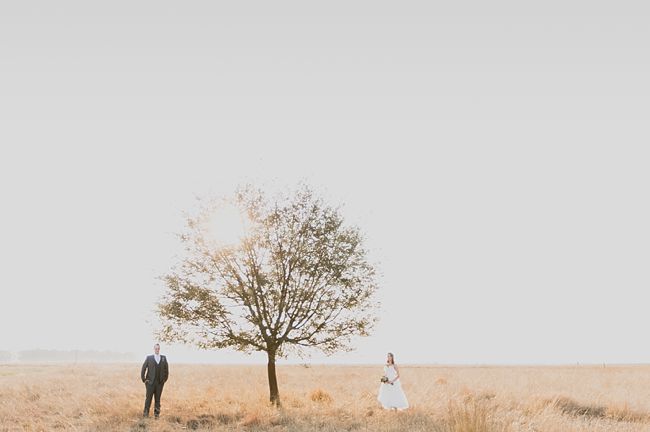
x=328, y=398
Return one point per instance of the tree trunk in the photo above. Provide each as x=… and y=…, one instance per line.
x=273, y=380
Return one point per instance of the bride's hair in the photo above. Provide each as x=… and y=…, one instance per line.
x=392, y=358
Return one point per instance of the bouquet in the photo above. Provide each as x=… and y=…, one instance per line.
x=384, y=379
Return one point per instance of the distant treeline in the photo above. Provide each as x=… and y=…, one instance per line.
x=35, y=356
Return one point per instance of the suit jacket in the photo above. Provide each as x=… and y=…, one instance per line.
x=149, y=369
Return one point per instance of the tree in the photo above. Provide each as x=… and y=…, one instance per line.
x=298, y=279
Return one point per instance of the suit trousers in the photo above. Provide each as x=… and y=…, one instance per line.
x=154, y=390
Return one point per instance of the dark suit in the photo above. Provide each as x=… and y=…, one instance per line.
x=154, y=375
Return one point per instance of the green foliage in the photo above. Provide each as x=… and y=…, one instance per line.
x=298, y=279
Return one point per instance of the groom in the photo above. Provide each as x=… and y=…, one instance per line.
x=155, y=372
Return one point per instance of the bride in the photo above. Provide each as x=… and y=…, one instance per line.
x=391, y=394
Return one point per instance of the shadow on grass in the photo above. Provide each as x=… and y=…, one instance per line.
x=571, y=407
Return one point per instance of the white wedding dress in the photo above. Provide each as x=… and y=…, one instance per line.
x=392, y=395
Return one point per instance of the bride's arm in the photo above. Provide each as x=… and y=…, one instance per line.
x=396, y=374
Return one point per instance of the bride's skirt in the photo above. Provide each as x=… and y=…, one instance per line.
x=392, y=396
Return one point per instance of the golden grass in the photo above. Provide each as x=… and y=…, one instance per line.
x=328, y=398
x=321, y=396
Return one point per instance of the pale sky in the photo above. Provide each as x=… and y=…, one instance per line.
x=495, y=154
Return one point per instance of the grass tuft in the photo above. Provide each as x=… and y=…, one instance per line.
x=320, y=396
